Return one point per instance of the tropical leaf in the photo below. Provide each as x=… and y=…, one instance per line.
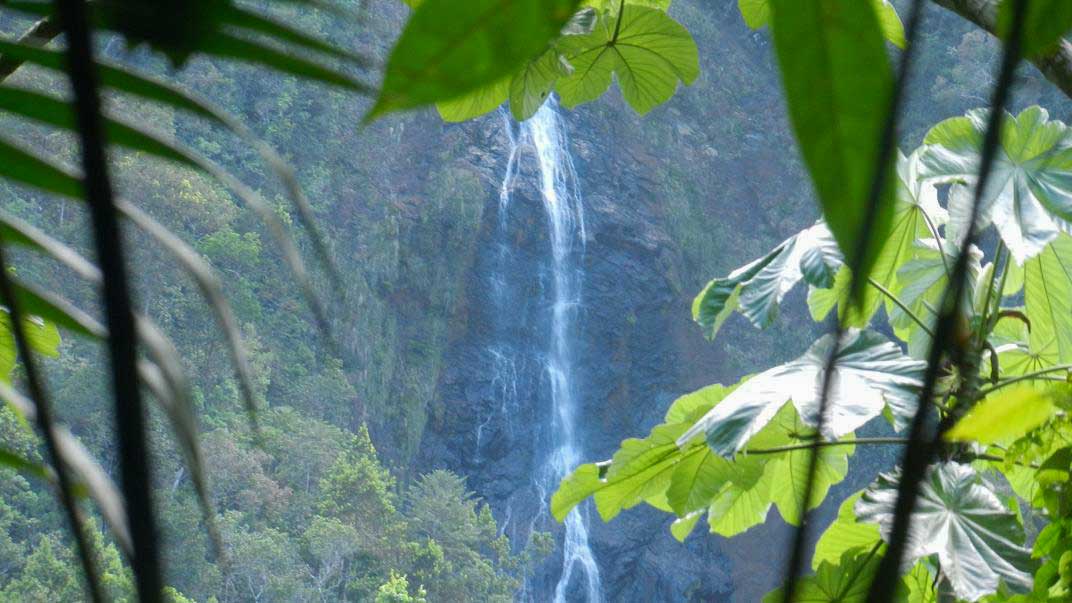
x=843, y=581
x=757, y=289
x=641, y=470
x=1027, y=197
x=534, y=83
x=836, y=71
x=917, y=215
x=449, y=49
x=1007, y=414
x=843, y=534
x=958, y=517
x=872, y=375
x=476, y=103
x=1048, y=298
x=645, y=49
x=924, y=280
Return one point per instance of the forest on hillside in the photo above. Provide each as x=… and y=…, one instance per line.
x=416, y=301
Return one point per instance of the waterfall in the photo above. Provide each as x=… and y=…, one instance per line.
x=545, y=136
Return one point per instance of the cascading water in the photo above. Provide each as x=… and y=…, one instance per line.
x=544, y=135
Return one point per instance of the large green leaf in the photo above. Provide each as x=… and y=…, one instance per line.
x=1048, y=298
x=757, y=289
x=923, y=281
x=449, y=49
x=958, y=517
x=645, y=49
x=1028, y=197
x=772, y=471
x=1005, y=415
x=843, y=534
x=641, y=470
x=478, y=102
x=838, y=81
x=1047, y=22
x=916, y=215
x=845, y=580
x=872, y=374
x=533, y=84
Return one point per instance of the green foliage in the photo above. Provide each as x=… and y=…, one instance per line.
x=1026, y=198
x=634, y=42
x=647, y=51
x=836, y=72
x=756, y=290
x=978, y=541
x=874, y=377
x=1005, y=415
x=449, y=49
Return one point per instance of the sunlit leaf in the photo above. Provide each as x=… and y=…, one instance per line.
x=1027, y=197
x=1005, y=415
x=872, y=374
x=645, y=49
x=476, y=103
x=916, y=211
x=960, y=519
x=845, y=580
x=534, y=83
x=843, y=534
x=449, y=49
x=756, y=290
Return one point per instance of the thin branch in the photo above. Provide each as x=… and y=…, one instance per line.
x=900, y=304
x=46, y=424
x=887, y=149
x=133, y=447
x=828, y=444
x=922, y=450
x=1027, y=377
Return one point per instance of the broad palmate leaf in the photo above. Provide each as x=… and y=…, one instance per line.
x=449, y=49
x=1029, y=195
x=872, y=374
x=844, y=581
x=757, y=289
x=645, y=49
x=959, y=518
x=917, y=214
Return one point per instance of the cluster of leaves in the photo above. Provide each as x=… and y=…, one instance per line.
x=731, y=453
x=534, y=48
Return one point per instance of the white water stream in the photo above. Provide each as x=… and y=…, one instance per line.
x=545, y=136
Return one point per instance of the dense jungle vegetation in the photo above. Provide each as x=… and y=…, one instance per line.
x=238, y=246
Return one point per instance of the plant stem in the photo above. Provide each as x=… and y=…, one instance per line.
x=900, y=304
x=938, y=240
x=1027, y=377
x=133, y=446
x=827, y=444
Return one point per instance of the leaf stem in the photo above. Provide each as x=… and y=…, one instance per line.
x=827, y=444
x=900, y=304
x=618, y=22
x=1029, y=376
x=937, y=239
